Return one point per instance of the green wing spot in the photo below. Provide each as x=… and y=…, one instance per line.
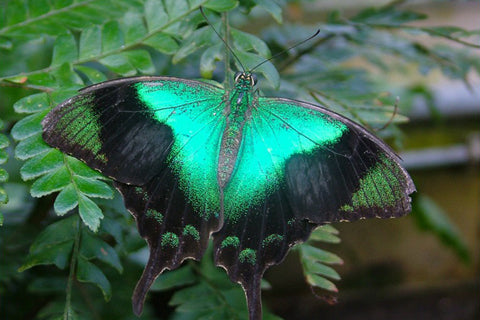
x=248, y=255
x=231, y=241
x=81, y=126
x=379, y=187
x=170, y=239
x=272, y=239
x=346, y=208
x=140, y=191
x=156, y=215
x=194, y=113
x=191, y=231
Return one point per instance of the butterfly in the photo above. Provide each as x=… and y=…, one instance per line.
x=258, y=174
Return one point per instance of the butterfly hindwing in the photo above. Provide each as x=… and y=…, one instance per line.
x=173, y=228
x=261, y=237
x=301, y=165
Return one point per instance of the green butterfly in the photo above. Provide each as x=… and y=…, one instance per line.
x=192, y=159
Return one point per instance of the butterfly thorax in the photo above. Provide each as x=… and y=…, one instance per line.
x=237, y=112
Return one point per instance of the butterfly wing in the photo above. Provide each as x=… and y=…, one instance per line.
x=158, y=138
x=301, y=165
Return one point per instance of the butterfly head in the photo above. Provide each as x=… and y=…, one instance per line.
x=245, y=79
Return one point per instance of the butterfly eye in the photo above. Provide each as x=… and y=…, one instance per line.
x=253, y=79
x=238, y=74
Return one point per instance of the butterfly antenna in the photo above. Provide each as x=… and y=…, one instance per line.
x=286, y=50
x=223, y=40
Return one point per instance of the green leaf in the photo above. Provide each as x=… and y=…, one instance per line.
x=429, y=216
x=3, y=175
x=90, y=273
x=163, y=43
x=61, y=15
x=133, y=27
x=62, y=94
x=31, y=147
x=173, y=279
x=51, y=182
x=5, y=44
x=387, y=15
x=93, y=75
x=120, y=64
x=81, y=169
x=246, y=42
x=141, y=60
x=57, y=254
x=45, y=79
x=66, y=77
x=449, y=31
x=314, y=254
x=90, y=43
x=93, y=187
x=41, y=164
x=321, y=270
x=325, y=233
x=321, y=282
x=4, y=142
x=191, y=294
x=112, y=37
x=220, y=5
x=92, y=247
x=64, y=50
x=32, y=103
x=176, y=8
x=28, y=126
x=199, y=38
x=155, y=15
x=66, y=200
x=53, y=245
x=273, y=8
x=3, y=200
x=3, y=156
x=209, y=58
x=89, y=212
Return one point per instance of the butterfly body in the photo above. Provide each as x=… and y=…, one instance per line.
x=193, y=160
x=237, y=111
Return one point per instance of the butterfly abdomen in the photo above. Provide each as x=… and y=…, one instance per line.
x=238, y=112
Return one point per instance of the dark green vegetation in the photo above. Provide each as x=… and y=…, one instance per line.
x=51, y=50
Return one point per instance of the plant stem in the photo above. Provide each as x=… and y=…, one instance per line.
x=71, y=275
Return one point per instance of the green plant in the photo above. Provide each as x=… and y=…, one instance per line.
x=50, y=49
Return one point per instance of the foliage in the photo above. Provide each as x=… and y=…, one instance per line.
x=50, y=49
x=315, y=260
x=4, y=143
x=432, y=218
x=206, y=292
